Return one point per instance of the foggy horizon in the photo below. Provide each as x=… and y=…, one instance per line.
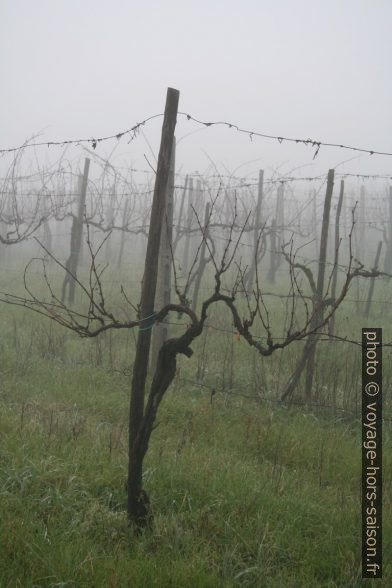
x=79, y=70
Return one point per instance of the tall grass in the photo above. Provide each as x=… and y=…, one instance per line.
x=244, y=492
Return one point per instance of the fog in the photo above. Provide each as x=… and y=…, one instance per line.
x=217, y=298
x=299, y=69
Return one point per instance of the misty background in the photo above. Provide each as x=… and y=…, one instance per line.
x=254, y=469
x=299, y=69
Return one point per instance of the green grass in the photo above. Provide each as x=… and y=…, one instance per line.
x=243, y=493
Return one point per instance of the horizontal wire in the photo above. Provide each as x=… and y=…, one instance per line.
x=132, y=131
x=280, y=138
x=317, y=144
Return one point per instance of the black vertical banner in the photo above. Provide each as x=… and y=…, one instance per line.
x=371, y=453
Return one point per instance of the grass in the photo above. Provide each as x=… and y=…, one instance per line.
x=244, y=493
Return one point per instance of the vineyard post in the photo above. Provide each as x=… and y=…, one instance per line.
x=280, y=223
x=252, y=269
x=122, y=241
x=372, y=281
x=179, y=221
x=202, y=260
x=388, y=254
x=362, y=223
x=331, y=326
x=110, y=213
x=76, y=240
x=318, y=312
x=308, y=354
x=316, y=243
x=137, y=508
x=273, y=264
x=185, y=258
x=163, y=291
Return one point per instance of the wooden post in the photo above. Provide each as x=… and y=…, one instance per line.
x=185, y=259
x=315, y=223
x=110, y=220
x=202, y=261
x=336, y=254
x=179, y=221
x=252, y=269
x=137, y=501
x=362, y=225
x=309, y=352
x=318, y=306
x=76, y=241
x=198, y=199
x=372, y=281
x=163, y=292
x=388, y=254
x=345, y=219
x=46, y=229
x=79, y=192
x=355, y=245
x=280, y=222
x=123, y=232
x=273, y=265
x=198, y=207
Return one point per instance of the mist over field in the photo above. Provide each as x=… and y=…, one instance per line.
x=195, y=229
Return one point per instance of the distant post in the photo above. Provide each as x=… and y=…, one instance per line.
x=252, y=270
x=76, y=241
x=388, y=253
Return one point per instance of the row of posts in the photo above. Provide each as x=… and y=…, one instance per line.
x=186, y=227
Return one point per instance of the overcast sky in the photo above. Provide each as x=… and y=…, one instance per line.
x=301, y=68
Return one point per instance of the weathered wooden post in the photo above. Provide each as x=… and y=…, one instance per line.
x=123, y=232
x=179, y=221
x=163, y=292
x=188, y=226
x=273, y=265
x=331, y=325
x=388, y=253
x=76, y=241
x=316, y=241
x=309, y=351
x=372, y=281
x=137, y=500
x=318, y=306
x=345, y=219
x=46, y=229
x=110, y=213
x=257, y=224
x=197, y=202
x=203, y=260
x=362, y=225
x=280, y=222
x=79, y=193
